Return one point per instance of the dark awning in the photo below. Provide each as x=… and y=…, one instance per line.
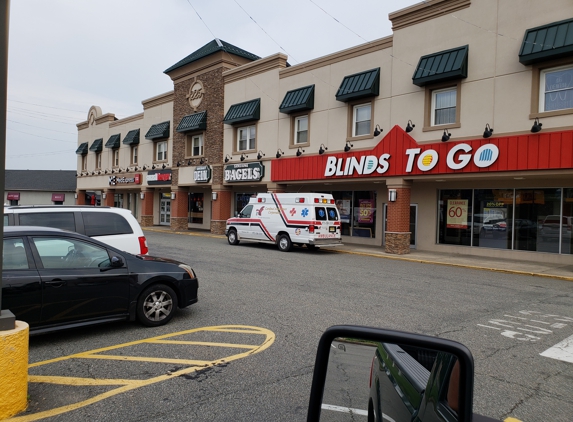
x=442, y=66
x=158, y=131
x=97, y=145
x=132, y=137
x=82, y=149
x=359, y=85
x=547, y=42
x=300, y=99
x=113, y=141
x=243, y=112
x=195, y=121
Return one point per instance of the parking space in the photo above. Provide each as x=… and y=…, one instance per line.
x=127, y=366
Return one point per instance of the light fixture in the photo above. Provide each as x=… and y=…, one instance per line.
x=76, y=195
x=179, y=163
x=163, y=166
x=202, y=160
x=446, y=136
x=153, y=167
x=227, y=158
x=536, y=126
x=410, y=126
x=322, y=149
x=189, y=162
x=142, y=195
x=348, y=146
x=279, y=153
x=172, y=195
x=214, y=196
x=243, y=156
x=120, y=170
x=77, y=175
x=488, y=131
x=299, y=152
x=392, y=195
x=378, y=130
x=260, y=155
x=144, y=167
x=104, y=195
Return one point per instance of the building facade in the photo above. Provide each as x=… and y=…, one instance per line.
x=40, y=187
x=400, y=130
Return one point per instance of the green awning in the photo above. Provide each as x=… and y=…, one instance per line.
x=113, y=141
x=547, y=42
x=359, y=85
x=82, y=149
x=300, y=99
x=132, y=137
x=243, y=112
x=442, y=66
x=195, y=121
x=97, y=145
x=158, y=131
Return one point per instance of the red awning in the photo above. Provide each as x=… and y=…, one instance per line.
x=58, y=197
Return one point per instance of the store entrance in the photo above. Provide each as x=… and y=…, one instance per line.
x=164, y=211
x=413, y=224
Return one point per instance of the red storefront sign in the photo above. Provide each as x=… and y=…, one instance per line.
x=398, y=154
x=13, y=196
x=58, y=197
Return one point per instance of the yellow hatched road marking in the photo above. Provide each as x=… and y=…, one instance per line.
x=127, y=385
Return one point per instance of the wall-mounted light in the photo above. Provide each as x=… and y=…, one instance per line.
x=348, y=146
x=299, y=152
x=142, y=195
x=322, y=149
x=179, y=163
x=279, y=153
x=410, y=126
x=243, y=156
x=144, y=167
x=77, y=175
x=536, y=126
x=153, y=167
x=173, y=195
x=76, y=195
x=214, y=196
x=392, y=195
x=189, y=162
x=164, y=166
x=104, y=195
x=377, y=130
x=488, y=131
x=260, y=155
x=446, y=136
x=227, y=158
x=202, y=160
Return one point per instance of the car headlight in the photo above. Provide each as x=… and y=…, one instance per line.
x=189, y=270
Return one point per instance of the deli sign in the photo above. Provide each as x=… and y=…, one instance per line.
x=202, y=174
x=244, y=172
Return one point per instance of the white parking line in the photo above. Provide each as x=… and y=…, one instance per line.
x=561, y=351
x=345, y=409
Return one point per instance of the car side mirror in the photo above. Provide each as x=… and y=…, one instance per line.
x=116, y=262
x=390, y=375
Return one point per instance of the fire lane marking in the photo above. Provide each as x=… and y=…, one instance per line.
x=561, y=351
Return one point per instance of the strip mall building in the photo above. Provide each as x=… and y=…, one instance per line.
x=454, y=134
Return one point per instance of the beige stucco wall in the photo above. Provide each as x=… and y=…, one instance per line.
x=40, y=198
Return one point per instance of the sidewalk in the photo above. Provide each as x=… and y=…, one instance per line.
x=523, y=267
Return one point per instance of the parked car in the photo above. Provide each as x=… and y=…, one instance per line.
x=115, y=226
x=554, y=224
x=54, y=279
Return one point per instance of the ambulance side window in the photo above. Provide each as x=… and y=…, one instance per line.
x=246, y=212
x=332, y=213
x=320, y=214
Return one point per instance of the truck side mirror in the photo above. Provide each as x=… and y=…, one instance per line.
x=394, y=375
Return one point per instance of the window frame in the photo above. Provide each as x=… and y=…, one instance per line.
x=156, y=151
x=189, y=148
x=115, y=158
x=538, y=70
x=134, y=154
x=84, y=162
x=352, y=106
x=293, y=138
x=429, y=105
x=98, y=160
x=237, y=138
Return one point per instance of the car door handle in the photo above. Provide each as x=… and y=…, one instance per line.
x=56, y=282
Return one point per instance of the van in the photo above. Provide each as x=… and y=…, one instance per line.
x=284, y=219
x=116, y=227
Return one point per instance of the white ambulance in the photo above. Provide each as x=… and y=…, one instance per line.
x=287, y=219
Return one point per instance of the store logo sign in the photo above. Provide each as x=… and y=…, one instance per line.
x=247, y=172
x=202, y=174
x=196, y=94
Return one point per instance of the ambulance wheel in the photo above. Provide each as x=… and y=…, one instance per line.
x=232, y=237
x=283, y=242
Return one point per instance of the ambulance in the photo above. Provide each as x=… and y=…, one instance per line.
x=287, y=219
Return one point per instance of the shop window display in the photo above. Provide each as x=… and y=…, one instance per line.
x=196, y=208
x=357, y=211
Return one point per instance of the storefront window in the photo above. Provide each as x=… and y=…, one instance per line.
x=118, y=200
x=357, y=211
x=455, y=210
x=242, y=199
x=195, y=208
x=492, y=218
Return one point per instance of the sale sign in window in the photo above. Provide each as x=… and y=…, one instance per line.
x=366, y=214
x=457, y=214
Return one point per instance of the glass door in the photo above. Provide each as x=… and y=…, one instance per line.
x=165, y=211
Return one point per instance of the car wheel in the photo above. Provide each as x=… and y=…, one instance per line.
x=156, y=305
x=283, y=242
x=232, y=237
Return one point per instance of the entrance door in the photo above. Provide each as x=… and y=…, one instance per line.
x=164, y=212
x=413, y=224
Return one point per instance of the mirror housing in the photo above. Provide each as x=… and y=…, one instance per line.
x=116, y=261
x=461, y=352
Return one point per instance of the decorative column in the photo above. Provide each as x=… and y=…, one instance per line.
x=108, y=201
x=220, y=208
x=80, y=197
x=147, y=208
x=398, y=216
x=179, y=210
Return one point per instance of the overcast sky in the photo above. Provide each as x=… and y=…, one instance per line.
x=67, y=55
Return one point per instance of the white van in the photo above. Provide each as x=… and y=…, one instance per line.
x=285, y=219
x=116, y=227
